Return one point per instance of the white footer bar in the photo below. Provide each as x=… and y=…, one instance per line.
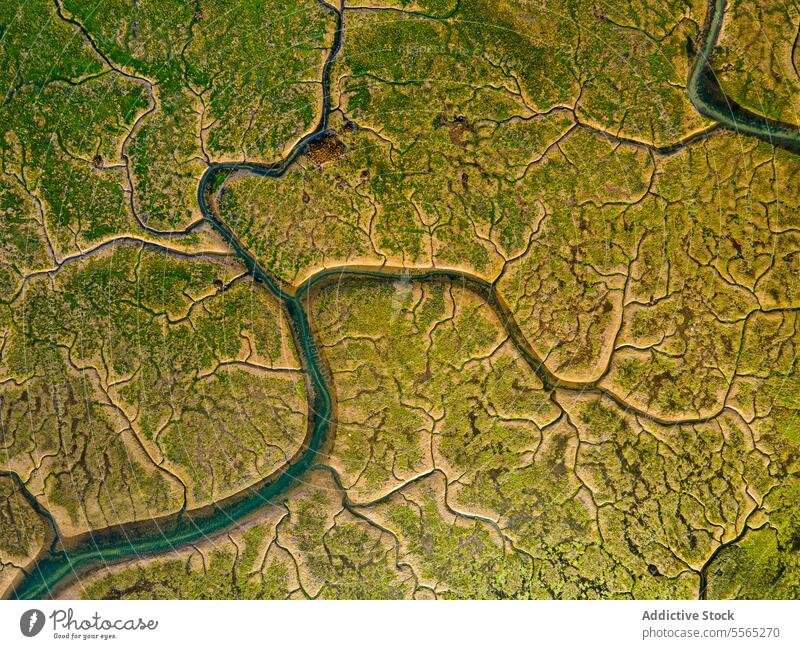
x=442, y=624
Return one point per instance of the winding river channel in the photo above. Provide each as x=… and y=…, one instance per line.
x=710, y=100
x=59, y=566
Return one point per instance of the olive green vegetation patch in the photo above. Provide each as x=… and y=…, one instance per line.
x=137, y=349
x=761, y=76
x=22, y=530
x=755, y=568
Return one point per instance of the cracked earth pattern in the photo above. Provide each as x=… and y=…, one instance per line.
x=563, y=357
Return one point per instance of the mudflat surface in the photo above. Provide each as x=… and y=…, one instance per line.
x=437, y=299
